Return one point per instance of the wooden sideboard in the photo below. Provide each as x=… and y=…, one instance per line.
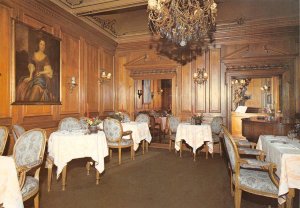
x=252, y=128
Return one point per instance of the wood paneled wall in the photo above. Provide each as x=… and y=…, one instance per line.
x=83, y=52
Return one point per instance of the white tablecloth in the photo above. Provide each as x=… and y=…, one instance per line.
x=10, y=194
x=140, y=131
x=285, y=153
x=64, y=146
x=194, y=135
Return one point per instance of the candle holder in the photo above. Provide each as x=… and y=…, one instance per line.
x=140, y=93
x=104, y=76
x=72, y=84
x=201, y=76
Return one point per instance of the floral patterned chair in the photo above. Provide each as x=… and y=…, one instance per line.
x=216, y=128
x=172, y=124
x=28, y=155
x=143, y=117
x=250, y=175
x=17, y=130
x=83, y=123
x=126, y=117
x=114, y=135
x=68, y=124
x=3, y=138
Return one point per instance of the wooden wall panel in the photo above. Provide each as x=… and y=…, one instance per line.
x=200, y=92
x=186, y=89
x=5, y=48
x=108, y=87
x=214, y=81
x=93, y=70
x=70, y=68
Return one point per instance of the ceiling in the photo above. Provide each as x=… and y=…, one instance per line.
x=126, y=18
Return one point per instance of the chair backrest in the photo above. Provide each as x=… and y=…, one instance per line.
x=113, y=129
x=142, y=117
x=83, y=123
x=69, y=123
x=126, y=117
x=231, y=149
x=29, y=148
x=3, y=138
x=173, y=123
x=216, y=124
x=17, y=131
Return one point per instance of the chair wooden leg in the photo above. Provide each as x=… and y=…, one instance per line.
x=143, y=146
x=88, y=167
x=110, y=153
x=194, y=156
x=37, y=201
x=64, y=176
x=231, y=185
x=180, y=155
x=220, y=147
x=97, y=177
x=170, y=145
x=237, y=198
x=147, y=146
x=133, y=153
x=290, y=196
x=120, y=155
x=206, y=150
x=49, y=177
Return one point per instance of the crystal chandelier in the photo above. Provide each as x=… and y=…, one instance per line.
x=182, y=21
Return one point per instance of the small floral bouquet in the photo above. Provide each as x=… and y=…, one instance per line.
x=118, y=115
x=197, y=119
x=93, y=121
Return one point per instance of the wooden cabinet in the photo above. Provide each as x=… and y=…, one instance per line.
x=252, y=128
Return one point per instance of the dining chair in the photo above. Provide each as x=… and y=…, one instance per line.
x=3, y=138
x=216, y=127
x=143, y=117
x=249, y=175
x=126, y=117
x=172, y=124
x=83, y=123
x=28, y=154
x=68, y=124
x=114, y=135
x=17, y=130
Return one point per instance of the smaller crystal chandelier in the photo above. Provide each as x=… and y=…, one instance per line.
x=201, y=76
x=182, y=21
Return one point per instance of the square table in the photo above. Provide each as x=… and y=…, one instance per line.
x=64, y=146
x=195, y=136
x=285, y=153
x=10, y=193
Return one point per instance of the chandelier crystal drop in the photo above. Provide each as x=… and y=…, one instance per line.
x=182, y=21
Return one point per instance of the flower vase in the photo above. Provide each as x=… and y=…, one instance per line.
x=93, y=129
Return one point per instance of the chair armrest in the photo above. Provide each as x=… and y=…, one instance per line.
x=254, y=164
x=250, y=151
x=126, y=133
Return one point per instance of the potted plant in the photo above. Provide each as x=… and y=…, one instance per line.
x=197, y=119
x=93, y=123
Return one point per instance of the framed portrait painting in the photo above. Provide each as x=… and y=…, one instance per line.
x=37, y=66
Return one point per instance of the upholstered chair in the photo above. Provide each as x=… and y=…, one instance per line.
x=249, y=175
x=28, y=155
x=3, y=138
x=216, y=127
x=142, y=117
x=69, y=124
x=83, y=123
x=126, y=117
x=172, y=124
x=17, y=130
x=114, y=135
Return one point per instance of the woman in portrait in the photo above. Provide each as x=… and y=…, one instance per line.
x=37, y=85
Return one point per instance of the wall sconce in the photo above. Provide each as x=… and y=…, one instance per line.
x=160, y=91
x=201, y=76
x=266, y=89
x=72, y=84
x=152, y=95
x=104, y=76
x=140, y=93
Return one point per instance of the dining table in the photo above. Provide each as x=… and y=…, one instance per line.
x=285, y=154
x=195, y=136
x=10, y=193
x=64, y=146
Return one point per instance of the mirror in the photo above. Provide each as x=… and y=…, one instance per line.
x=256, y=93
